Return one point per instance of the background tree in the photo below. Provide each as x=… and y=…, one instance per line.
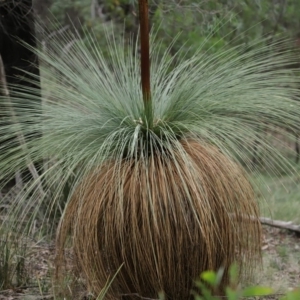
x=17, y=28
x=226, y=22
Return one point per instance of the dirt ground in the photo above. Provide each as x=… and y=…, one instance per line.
x=281, y=260
x=281, y=268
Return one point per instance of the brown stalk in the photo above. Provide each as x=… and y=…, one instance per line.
x=145, y=52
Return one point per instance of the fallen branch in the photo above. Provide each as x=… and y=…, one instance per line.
x=280, y=224
x=268, y=221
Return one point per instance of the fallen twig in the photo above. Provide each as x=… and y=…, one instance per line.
x=267, y=221
x=280, y=224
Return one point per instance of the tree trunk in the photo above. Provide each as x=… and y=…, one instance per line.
x=17, y=24
x=17, y=27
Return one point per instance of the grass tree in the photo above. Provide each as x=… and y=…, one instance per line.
x=152, y=157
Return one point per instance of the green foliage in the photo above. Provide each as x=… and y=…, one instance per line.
x=224, y=22
x=279, y=196
x=292, y=295
x=210, y=280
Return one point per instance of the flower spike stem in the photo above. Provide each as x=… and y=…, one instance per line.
x=145, y=59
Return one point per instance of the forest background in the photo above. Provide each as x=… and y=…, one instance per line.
x=209, y=25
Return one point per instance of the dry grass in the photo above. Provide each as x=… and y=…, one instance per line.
x=165, y=219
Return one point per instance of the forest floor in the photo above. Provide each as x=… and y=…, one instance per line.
x=281, y=260
x=281, y=250
x=281, y=269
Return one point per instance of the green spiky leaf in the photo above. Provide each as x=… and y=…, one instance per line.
x=257, y=291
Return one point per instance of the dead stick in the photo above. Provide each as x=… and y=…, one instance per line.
x=267, y=221
x=280, y=224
